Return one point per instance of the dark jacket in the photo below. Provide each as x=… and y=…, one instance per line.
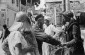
x=74, y=38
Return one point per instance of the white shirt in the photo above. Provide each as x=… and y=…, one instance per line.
x=83, y=37
x=0, y=33
x=50, y=30
x=44, y=26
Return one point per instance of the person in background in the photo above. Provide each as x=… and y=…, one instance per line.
x=49, y=30
x=83, y=36
x=0, y=34
x=81, y=19
x=73, y=42
x=44, y=26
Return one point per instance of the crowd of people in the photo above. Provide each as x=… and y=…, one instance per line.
x=39, y=37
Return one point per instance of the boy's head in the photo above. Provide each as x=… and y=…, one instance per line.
x=40, y=19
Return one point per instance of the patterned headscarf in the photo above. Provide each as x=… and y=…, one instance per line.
x=19, y=19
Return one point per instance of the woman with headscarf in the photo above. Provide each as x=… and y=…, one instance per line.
x=73, y=42
x=21, y=40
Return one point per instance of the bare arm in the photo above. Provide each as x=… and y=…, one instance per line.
x=54, y=29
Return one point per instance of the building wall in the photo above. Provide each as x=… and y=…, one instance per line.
x=11, y=10
x=2, y=15
x=10, y=17
x=52, y=10
x=12, y=5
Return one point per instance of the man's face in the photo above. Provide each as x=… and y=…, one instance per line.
x=41, y=20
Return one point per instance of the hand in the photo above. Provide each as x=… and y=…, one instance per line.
x=64, y=44
x=41, y=34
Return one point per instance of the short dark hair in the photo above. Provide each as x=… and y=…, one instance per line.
x=39, y=16
x=4, y=26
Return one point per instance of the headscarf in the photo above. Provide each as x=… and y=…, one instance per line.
x=67, y=16
x=19, y=19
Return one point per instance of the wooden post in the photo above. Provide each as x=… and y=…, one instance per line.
x=55, y=15
x=67, y=5
x=63, y=5
x=19, y=5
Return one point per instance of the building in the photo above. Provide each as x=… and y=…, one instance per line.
x=8, y=9
x=53, y=8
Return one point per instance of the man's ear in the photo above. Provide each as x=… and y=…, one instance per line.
x=19, y=46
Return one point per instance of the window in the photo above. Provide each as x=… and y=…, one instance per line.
x=13, y=1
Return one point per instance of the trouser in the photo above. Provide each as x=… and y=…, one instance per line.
x=45, y=48
x=39, y=46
